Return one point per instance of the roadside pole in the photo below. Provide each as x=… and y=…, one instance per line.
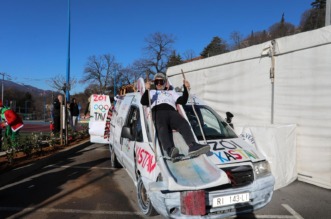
x=61, y=123
x=328, y=13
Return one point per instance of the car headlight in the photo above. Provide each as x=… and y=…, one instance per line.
x=262, y=169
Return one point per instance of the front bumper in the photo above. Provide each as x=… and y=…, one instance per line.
x=261, y=190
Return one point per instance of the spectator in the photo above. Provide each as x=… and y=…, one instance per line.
x=51, y=126
x=12, y=122
x=74, y=113
x=58, y=102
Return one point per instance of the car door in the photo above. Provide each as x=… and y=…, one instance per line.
x=134, y=124
x=120, y=117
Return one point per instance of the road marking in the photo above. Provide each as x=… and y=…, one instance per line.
x=22, y=211
x=81, y=167
x=75, y=211
x=56, y=166
x=274, y=216
x=95, y=149
x=294, y=213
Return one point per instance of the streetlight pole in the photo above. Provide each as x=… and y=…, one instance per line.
x=114, y=83
x=44, y=106
x=3, y=78
x=328, y=13
x=68, y=58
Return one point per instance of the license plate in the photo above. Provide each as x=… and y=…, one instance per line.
x=230, y=199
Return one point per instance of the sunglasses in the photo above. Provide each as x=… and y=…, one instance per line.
x=159, y=81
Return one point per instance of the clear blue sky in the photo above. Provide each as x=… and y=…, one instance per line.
x=34, y=33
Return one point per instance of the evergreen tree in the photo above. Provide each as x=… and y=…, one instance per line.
x=319, y=4
x=281, y=29
x=215, y=47
x=315, y=17
x=174, y=59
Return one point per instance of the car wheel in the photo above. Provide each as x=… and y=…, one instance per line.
x=113, y=159
x=144, y=202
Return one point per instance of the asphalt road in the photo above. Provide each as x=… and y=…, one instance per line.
x=81, y=184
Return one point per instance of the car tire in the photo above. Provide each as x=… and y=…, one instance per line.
x=144, y=202
x=113, y=158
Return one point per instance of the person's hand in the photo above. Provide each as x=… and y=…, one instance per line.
x=187, y=84
x=148, y=85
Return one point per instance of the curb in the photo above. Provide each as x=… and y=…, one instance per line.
x=21, y=172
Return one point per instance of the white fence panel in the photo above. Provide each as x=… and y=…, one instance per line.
x=239, y=82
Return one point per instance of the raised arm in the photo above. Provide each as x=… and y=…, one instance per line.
x=183, y=99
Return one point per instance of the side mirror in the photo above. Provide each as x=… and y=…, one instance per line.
x=126, y=133
x=228, y=118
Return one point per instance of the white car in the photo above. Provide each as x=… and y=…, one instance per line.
x=233, y=178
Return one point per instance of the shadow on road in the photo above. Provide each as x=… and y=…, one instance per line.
x=37, y=191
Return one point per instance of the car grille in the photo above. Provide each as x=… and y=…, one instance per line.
x=240, y=176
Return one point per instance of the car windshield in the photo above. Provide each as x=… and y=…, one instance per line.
x=212, y=125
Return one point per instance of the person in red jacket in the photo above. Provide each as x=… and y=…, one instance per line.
x=12, y=122
x=51, y=126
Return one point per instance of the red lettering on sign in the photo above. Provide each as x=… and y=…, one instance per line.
x=97, y=98
x=107, y=125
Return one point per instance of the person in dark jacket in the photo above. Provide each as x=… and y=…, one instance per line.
x=57, y=113
x=166, y=118
x=74, y=113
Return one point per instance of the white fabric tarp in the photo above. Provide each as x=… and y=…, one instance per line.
x=277, y=144
x=239, y=81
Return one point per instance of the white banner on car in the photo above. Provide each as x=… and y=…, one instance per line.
x=100, y=112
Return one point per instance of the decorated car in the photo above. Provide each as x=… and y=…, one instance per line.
x=233, y=178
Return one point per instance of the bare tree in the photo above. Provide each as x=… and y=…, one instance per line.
x=255, y=38
x=101, y=70
x=158, y=50
x=132, y=72
x=91, y=89
x=58, y=82
x=237, y=38
x=189, y=54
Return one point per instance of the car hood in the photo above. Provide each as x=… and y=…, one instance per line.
x=235, y=150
